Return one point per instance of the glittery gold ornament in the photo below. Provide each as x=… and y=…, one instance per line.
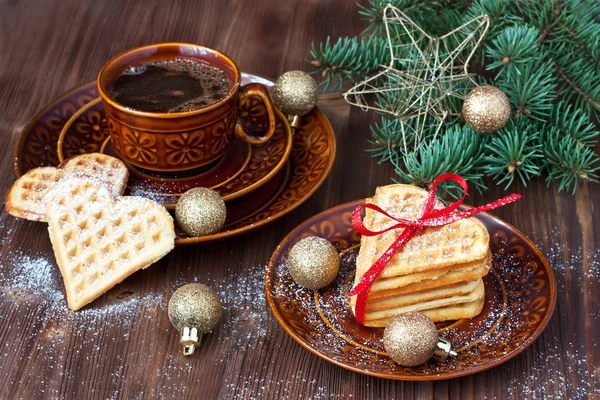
x=295, y=93
x=200, y=211
x=486, y=109
x=313, y=262
x=411, y=338
x=424, y=74
x=194, y=310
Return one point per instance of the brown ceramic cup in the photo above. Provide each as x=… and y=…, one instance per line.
x=181, y=141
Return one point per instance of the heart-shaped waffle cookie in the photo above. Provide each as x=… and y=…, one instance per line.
x=24, y=199
x=100, y=239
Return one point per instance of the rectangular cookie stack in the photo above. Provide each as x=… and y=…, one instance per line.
x=438, y=272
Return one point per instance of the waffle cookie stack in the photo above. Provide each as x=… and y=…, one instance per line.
x=438, y=272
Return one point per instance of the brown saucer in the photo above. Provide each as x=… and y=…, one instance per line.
x=310, y=161
x=520, y=299
x=242, y=169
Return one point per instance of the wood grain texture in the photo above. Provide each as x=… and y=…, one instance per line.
x=123, y=346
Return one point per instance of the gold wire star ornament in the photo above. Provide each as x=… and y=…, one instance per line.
x=424, y=73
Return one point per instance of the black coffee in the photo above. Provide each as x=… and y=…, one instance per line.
x=170, y=86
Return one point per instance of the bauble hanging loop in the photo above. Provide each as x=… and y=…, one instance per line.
x=442, y=350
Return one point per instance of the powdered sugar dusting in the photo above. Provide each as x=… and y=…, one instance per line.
x=32, y=285
x=559, y=363
x=562, y=364
x=30, y=278
x=554, y=367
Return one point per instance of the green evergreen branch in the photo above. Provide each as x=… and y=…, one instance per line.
x=514, y=47
x=394, y=138
x=581, y=78
x=513, y=151
x=434, y=16
x=457, y=151
x=499, y=13
x=500, y=18
x=543, y=54
x=582, y=82
x=531, y=89
x=447, y=18
x=373, y=13
x=567, y=162
x=389, y=140
x=572, y=122
x=539, y=14
x=349, y=58
x=576, y=25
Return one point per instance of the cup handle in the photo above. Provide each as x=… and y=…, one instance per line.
x=256, y=89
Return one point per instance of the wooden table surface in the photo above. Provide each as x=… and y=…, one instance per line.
x=122, y=346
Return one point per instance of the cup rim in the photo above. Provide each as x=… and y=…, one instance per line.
x=150, y=114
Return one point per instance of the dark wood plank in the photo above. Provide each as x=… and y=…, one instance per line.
x=123, y=346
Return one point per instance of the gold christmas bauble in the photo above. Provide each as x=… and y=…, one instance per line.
x=410, y=338
x=486, y=109
x=194, y=310
x=195, y=306
x=313, y=262
x=200, y=211
x=295, y=93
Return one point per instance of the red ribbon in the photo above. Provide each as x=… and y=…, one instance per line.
x=429, y=217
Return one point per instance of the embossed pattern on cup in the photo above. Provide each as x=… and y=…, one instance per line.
x=180, y=150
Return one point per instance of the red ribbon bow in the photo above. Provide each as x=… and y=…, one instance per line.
x=429, y=217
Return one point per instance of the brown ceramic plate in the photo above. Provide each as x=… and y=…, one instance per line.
x=241, y=170
x=310, y=161
x=520, y=299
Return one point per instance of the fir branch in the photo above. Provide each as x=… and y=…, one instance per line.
x=582, y=80
x=567, y=162
x=389, y=140
x=514, y=47
x=500, y=17
x=447, y=18
x=373, y=13
x=590, y=50
x=576, y=24
x=349, y=58
x=531, y=89
x=539, y=14
x=539, y=51
x=434, y=16
x=572, y=122
x=497, y=10
x=457, y=151
x=395, y=138
x=513, y=151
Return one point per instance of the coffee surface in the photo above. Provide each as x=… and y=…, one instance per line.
x=170, y=86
